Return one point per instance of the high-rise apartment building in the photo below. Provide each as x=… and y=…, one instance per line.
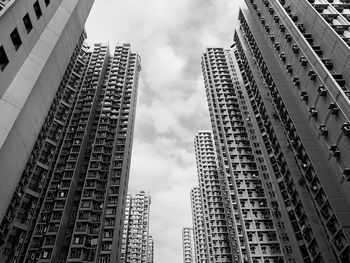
x=69, y=204
x=279, y=104
x=37, y=41
x=150, y=250
x=301, y=49
x=215, y=223
x=253, y=221
x=137, y=246
x=199, y=232
x=188, y=245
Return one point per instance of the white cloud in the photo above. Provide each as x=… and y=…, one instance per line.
x=170, y=37
x=162, y=72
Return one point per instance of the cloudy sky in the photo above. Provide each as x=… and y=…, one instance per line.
x=170, y=37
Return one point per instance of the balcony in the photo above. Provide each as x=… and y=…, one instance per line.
x=304, y=95
x=313, y=112
x=346, y=129
x=334, y=151
x=340, y=241
x=295, y=49
x=288, y=37
x=322, y=90
x=296, y=82
x=323, y=130
x=303, y=61
x=333, y=108
x=312, y=74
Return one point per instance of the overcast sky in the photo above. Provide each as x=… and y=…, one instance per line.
x=170, y=36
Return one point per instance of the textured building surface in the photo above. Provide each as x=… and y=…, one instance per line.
x=77, y=174
x=188, y=245
x=253, y=229
x=200, y=236
x=37, y=41
x=150, y=250
x=215, y=222
x=137, y=245
x=296, y=55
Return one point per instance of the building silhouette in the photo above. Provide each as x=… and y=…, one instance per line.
x=69, y=203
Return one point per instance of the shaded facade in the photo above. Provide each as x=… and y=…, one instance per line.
x=137, y=244
x=280, y=97
x=39, y=43
x=72, y=208
x=294, y=55
x=38, y=39
x=188, y=245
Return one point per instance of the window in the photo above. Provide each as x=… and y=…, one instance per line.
x=27, y=23
x=47, y=2
x=37, y=9
x=16, y=40
x=3, y=58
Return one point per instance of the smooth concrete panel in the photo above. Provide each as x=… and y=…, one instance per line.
x=59, y=20
x=69, y=39
x=43, y=47
x=22, y=85
x=329, y=40
x=7, y=117
x=47, y=85
x=85, y=6
x=27, y=122
x=340, y=55
x=13, y=18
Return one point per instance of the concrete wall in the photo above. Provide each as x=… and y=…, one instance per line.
x=29, y=85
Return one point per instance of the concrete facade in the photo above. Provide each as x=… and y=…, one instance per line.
x=200, y=237
x=30, y=79
x=188, y=250
x=75, y=182
x=296, y=53
x=251, y=217
x=215, y=223
x=137, y=245
x=150, y=250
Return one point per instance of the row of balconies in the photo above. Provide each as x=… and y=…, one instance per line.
x=315, y=188
x=269, y=123
x=43, y=158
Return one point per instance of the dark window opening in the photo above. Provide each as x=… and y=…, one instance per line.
x=27, y=23
x=47, y=2
x=16, y=39
x=3, y=58
x=37, y=9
